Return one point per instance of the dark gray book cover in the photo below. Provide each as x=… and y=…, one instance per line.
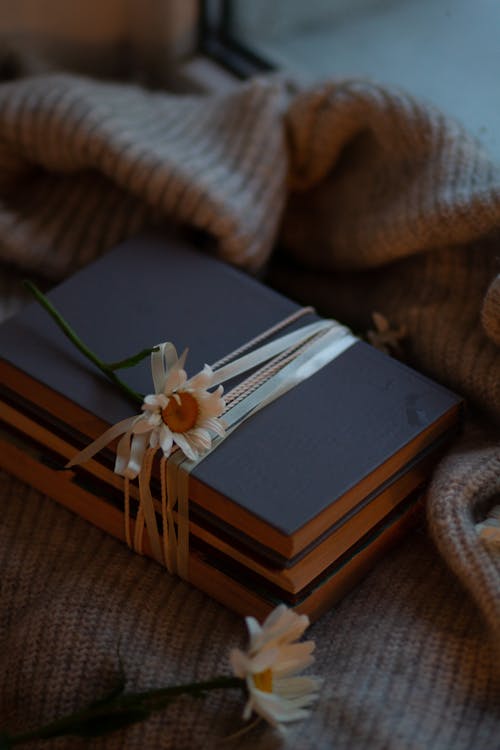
x=291, y=460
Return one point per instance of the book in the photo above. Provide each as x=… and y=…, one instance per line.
x=299, y=501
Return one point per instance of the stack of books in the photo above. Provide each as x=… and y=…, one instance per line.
x=299, y=502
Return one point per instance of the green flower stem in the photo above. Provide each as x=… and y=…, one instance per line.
x=107, y=369
x=117, y=711
x=131, y=361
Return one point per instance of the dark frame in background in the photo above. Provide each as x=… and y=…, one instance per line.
x=216, y=40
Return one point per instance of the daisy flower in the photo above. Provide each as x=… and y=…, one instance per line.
x=185, y=413
x=271, y=664
x=182, y=413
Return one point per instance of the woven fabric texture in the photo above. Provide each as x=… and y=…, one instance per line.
x=377, y=203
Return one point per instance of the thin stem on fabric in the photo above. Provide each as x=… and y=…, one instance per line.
x=116, y=711
x=107, y=369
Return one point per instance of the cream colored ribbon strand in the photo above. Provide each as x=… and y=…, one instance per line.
x=319, y=353
x=266, y=352
x=132, y=445
x=332, y=341
x=310, y=348
x=178, y=468
x=146, y=505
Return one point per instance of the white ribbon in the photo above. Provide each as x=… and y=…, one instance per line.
x=322, y=351
x=319, y=353
x=134, y=430
x=163, y=360
x=310, y=348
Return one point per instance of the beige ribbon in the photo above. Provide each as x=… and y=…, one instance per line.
x=328, y=344
x=278, y=366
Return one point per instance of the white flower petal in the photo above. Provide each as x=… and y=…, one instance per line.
x=275, y=709
x=247, y=711
x=185, y=445
x=211, y=405
x=294, y=651
x=285, y=698
x=202, y=380
x=196, y=447
x=182, y=359
x=282, y=626
x=261, y=708
x=154, y=401
x=297, y=687
x=214, y=425
x=278, y=613
x=240, y=663
x=282, y=622
x=294, y=657
x=286, y=668
x=150, y=403
x=288, y=629
x=145, y=424
x=263, y=660
x=254, y=629
x=175, y=380
x=200, y=437
x=166, y=440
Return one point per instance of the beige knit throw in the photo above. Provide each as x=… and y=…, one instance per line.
x=378, y=203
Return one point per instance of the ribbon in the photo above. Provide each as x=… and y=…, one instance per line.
x=322, y=350
x=282, y=364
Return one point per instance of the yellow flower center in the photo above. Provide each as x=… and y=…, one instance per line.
x=264, y=681
x=181, y=412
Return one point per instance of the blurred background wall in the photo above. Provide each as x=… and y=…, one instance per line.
x=117, y=38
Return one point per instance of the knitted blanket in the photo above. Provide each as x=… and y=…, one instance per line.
x=377, y=203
